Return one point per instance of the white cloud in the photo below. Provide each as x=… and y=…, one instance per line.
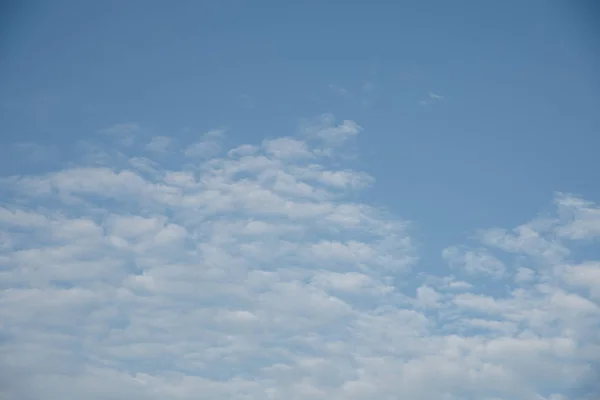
x=524, y=275
x=340, y=179
x=142, y=164
x=332, y=134
x=203, y=149
x=528, y=240
x=254, y=276
x=582, y=218
x=125, y=133
x=586, y=275
x=427, y=297
x=353, y=282
x=342, y=91
x=473, y=261
x=286, y=147
x=208, y=146
x=159, y=144
x=459, y=285
x=122, y=129
x=431, y=98
x=339, y=133
x=345, y=179
x=243, y=150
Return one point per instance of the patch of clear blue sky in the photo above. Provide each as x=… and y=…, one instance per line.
x=520, y=117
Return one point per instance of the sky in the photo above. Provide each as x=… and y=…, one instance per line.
x=299, y=200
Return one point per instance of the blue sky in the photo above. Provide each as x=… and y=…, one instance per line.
x=394, y=191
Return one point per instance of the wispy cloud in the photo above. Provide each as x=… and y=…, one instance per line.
x=362, y=94
x=159, y=144
x=332, y=134
x=431, y=98
x=208, y=145
x=473, y=261
x=254, y=273
x=124, y=133
x=342, y=91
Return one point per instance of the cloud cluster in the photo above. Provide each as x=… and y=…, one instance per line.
x=254, y=273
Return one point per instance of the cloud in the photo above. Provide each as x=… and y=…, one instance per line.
x=341, y=91
x=585, y=275
x=427, y=297
x=362, y=94
x=208, y=146
x=286, y=148
x=256, y=274
x=527, y=239
x=581, y=218
x=524, y=275
x=243, y=150
x=159, y=144
x=431, y=98
x=340, y=133
x=331, y=134
x=473, y=261
x=124, y=133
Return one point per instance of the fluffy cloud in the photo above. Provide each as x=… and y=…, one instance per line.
x=253, y=275
x=208, y=145
x=159, y=144
x=581, y=218
x=286, y=148
x=124, y=133
x=473, y=261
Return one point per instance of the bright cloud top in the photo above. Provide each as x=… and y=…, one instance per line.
x=154, y=271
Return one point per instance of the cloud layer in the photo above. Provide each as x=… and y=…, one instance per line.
x=152, y=271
